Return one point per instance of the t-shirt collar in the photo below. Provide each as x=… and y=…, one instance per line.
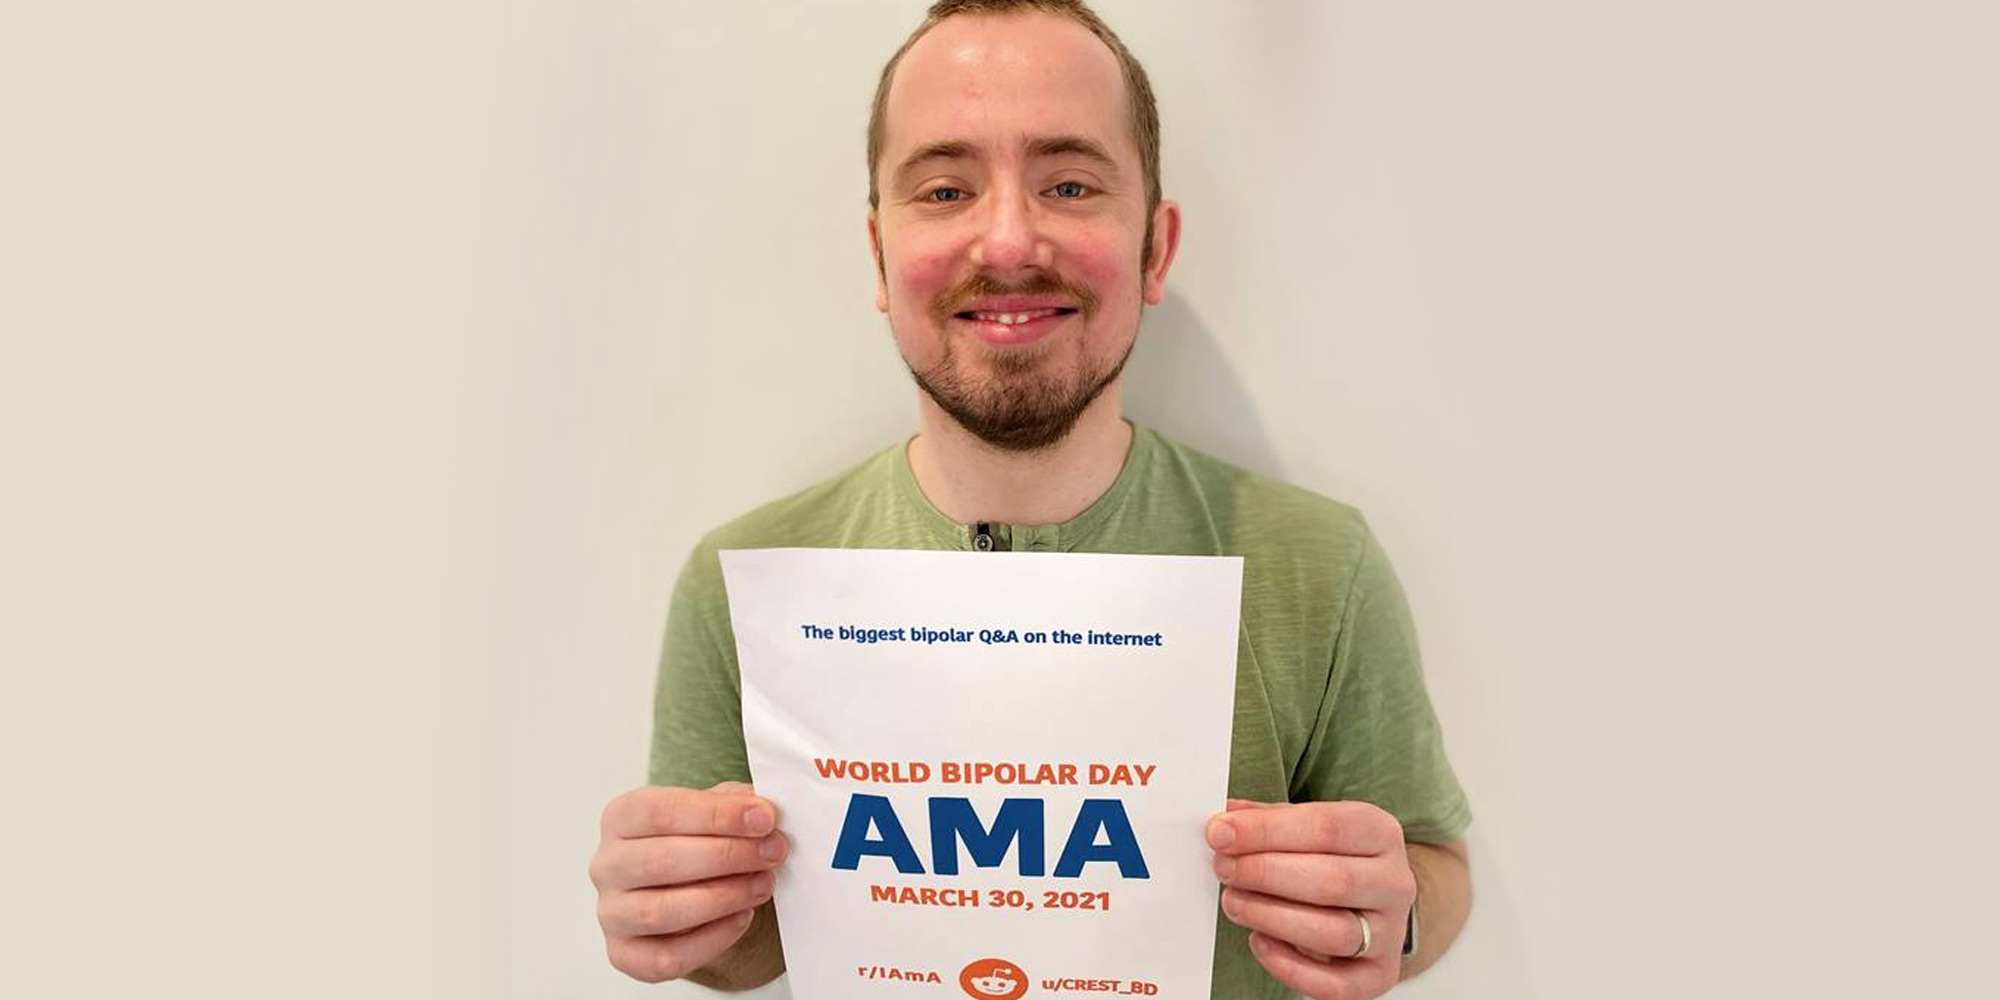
x=1064, y=537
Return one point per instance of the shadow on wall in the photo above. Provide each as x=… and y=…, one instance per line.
x=1180, y=383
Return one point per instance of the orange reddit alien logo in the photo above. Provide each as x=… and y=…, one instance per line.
x=993, y=979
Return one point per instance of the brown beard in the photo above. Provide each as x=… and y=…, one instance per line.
x=1018, y=410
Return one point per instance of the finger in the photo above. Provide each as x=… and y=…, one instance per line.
x=1321, y=879
x=658, y=959
x=1357, y=829
x=1340, y=979
x=657, y=811
x=1235, y=804
x=1323, y=929
x=662, y=861
x=643, y=912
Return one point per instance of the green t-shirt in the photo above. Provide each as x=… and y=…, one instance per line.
x=1330, y=699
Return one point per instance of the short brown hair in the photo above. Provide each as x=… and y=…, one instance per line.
x=1143, y=113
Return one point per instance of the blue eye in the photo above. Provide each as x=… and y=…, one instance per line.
x=944, y=194
x=1069, y=190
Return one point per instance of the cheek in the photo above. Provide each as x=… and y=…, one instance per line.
x=918, y=272
x=1110, y=266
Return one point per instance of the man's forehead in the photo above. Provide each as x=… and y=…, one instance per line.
x=1003, y=80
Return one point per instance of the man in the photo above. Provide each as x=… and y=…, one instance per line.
x=1018, y=232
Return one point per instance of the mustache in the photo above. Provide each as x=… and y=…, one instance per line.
x=955, y=299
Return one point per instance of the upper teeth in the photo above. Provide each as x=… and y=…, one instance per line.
x=1011, y=319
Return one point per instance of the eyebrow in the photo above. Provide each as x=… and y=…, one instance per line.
x=950, y=149
x=1046, y=146
x=1072, y=145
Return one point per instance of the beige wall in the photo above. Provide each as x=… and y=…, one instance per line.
x=370, y=368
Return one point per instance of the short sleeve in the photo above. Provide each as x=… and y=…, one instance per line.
x=698, y=703
x=1380, y=741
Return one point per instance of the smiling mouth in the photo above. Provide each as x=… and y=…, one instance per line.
x=1012, y=329
x=1014, y=318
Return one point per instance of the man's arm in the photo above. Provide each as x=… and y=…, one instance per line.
x=698, y=740
x=1444, y=899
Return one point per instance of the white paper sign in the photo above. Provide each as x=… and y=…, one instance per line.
x=995, y=768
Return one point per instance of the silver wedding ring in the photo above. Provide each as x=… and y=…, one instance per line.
x=1367, y=935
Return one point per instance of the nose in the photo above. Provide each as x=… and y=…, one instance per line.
x=1010, y=236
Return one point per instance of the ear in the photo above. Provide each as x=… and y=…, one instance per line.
x=881, y=272
x=1166, y=242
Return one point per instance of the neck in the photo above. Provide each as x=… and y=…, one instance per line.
x=970, y=480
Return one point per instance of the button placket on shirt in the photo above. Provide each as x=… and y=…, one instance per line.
x=1041, y=538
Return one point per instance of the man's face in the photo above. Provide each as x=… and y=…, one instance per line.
x=1012, y=212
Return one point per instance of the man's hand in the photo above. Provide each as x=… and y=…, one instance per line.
x=1302, y=876
x=679, y=874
